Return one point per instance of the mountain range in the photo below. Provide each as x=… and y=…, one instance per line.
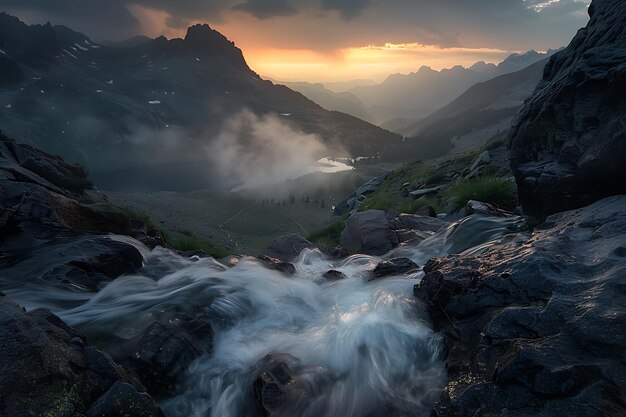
x=147, y=108
x=149, y=101
x=483, y=112
x=403, y=99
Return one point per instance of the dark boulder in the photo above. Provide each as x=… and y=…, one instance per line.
x=47, y=368
x=368, y=232
x=123, y=400
x=284, y=387
x=536, y=326
x=287, y=248
x=270, y=386
x=395, y=266
x=334, y=275
x=52, y=232
x=277, y=265
x=568, y=143
x=160, y=354
x=419, y=223
x=81, y=262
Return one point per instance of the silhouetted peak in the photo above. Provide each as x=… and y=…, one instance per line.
x=482, y=66
x=202, y=40
x=203, y=35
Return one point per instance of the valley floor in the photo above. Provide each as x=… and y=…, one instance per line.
x=246, y=222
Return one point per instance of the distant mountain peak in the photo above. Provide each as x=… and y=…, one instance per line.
x=201, y=39
x=202, y=35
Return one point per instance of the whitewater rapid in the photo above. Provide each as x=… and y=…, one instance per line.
x=354, y=347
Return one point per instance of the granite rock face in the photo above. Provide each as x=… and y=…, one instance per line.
x=371, y=232
x=536, y=326
x=48, y=369
x=568, y=143
x=368, y=232
x=287, y=247
x=55, y=229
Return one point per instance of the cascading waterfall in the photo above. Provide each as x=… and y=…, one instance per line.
x=352, y=347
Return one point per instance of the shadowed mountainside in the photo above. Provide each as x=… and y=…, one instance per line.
x=157, y=101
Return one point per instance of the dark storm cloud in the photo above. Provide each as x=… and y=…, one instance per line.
x=265, y=9
x=348, y=9
x=96, y=18
x=177, y=22
x=312, y=23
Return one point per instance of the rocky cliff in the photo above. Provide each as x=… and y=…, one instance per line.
x=536, y=326
x=568, y=143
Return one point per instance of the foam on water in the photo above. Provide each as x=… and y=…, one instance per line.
x=354, y=347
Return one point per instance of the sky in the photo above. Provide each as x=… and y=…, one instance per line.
x=332, y=40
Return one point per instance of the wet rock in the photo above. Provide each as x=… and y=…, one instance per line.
x=568, y=143
x=123, y=400
x=395, y=266
x=412, y=228
x=485, y=209
x=82, y=262
x=270, y=386
x=334, y=275
x=277, y=265
x=419, y=223
x=412, y=236
x=149, y=236
x=47, y=368
x=53, y=233
x=368, y=232
x=284, y=387
x=536, y=325
x=163, y=351
x=287, y=248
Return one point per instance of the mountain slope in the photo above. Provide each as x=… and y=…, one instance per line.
x=481, y=112
x=342, y=102
x=160, y=101
x=414, y=96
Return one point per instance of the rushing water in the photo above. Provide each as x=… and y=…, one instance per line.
x=354, y=347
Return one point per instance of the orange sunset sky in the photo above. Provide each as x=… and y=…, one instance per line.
x=334, y=40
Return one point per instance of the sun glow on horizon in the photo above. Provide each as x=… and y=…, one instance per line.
x=375, y=62
x=370, y=61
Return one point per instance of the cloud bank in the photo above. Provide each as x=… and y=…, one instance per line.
x=326, y=25
x=263, y=150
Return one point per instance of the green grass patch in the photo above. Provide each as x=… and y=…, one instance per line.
x=195, y=243
x=187, y=242
x=144, y=217
x=382, y=199
x=330, y=234
x=493, y=190
x=411, y=205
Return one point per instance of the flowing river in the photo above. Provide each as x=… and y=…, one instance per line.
x=353, y=347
